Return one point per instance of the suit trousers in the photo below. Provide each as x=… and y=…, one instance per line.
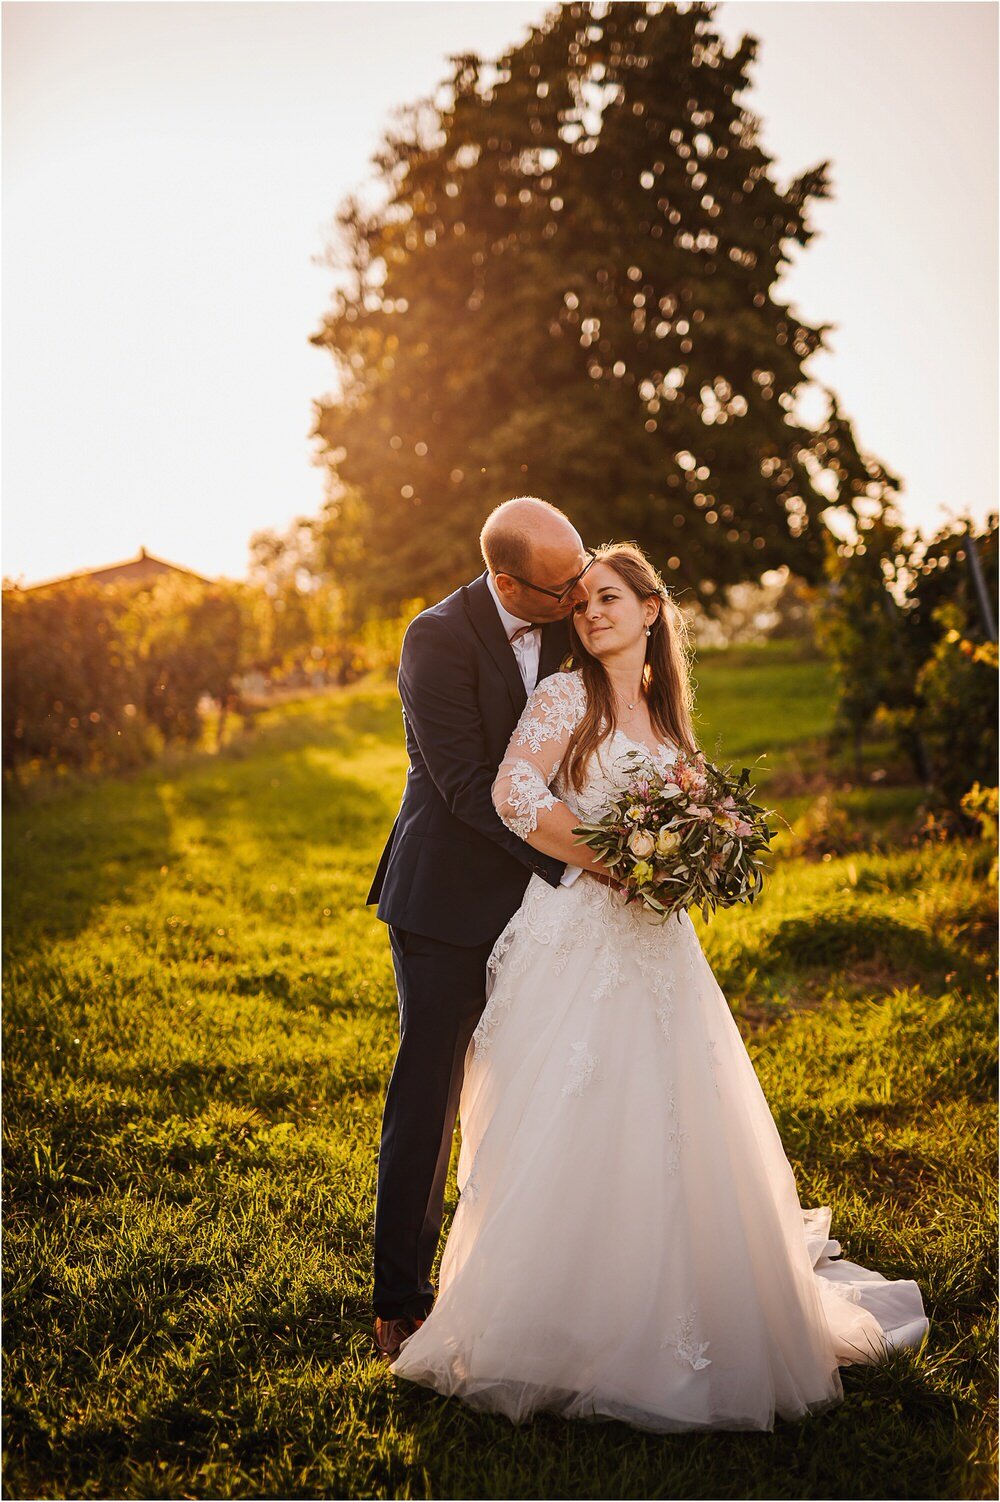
x=442, y=992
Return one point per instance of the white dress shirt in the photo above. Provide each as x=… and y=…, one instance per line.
x=527, y=650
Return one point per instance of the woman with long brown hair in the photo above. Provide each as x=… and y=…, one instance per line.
x=629, y=1242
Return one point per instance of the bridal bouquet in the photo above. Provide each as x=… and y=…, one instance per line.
x=689, y=837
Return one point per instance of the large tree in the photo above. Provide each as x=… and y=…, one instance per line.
x=567, y=288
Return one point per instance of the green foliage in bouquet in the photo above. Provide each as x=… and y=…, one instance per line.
x=690, y=838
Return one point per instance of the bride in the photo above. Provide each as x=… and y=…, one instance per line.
x=628, y=1241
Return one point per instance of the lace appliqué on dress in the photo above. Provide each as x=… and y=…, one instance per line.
x=609, y=965
x=566, y=919
x=577, y=928
x=533, y=923
x=674, y=1134
x=553, y=711
x=655, y=962
x=470, y=1189
x=695, y=957
x=490, y=1020
x=527, y=793
x=521, y=787
x=685, y=1346
x=582, y=1065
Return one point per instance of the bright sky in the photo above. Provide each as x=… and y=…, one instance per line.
x=170, y=171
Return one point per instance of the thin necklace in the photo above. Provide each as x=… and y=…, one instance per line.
x=624, y=701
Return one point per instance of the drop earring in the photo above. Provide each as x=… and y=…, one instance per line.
x=648, y=633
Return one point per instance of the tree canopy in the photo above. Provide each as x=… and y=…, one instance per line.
x=566, y=288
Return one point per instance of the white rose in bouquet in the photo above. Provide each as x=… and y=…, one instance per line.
x=641, y=844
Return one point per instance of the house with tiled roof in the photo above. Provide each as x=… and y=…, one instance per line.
x=144, y=568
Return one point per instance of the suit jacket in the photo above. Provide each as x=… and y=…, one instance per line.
x=451, y=870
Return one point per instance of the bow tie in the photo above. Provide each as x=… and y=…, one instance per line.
x=520, y=632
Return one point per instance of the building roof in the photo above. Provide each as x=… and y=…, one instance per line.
x=144, y=566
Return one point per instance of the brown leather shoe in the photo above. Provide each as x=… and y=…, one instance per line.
x=390, y=1334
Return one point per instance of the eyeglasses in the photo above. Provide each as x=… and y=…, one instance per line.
x=558, y=594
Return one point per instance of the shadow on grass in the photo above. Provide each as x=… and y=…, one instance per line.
x=891, y=1421
x=65, y=860
x=804, y=958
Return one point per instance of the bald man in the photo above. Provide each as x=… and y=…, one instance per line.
x=452, y=875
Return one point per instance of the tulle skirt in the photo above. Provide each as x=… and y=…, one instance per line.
x=629, y=1242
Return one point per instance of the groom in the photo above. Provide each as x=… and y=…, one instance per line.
x=452, y=875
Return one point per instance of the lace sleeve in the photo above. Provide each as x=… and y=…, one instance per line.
x=521, y=789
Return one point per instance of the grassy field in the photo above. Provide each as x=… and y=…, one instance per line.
x=200, y=1022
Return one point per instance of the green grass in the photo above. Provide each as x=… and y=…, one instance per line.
x=200, y=1022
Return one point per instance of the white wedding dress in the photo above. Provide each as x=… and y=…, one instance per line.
x=628, y=1241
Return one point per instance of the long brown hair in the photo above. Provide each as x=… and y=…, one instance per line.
x=666, y=677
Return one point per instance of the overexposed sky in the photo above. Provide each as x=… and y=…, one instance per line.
x=170, y=170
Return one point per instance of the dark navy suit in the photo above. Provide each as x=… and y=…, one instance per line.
x=449, y=880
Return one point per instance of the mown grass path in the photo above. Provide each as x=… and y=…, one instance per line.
x=200, y=1021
